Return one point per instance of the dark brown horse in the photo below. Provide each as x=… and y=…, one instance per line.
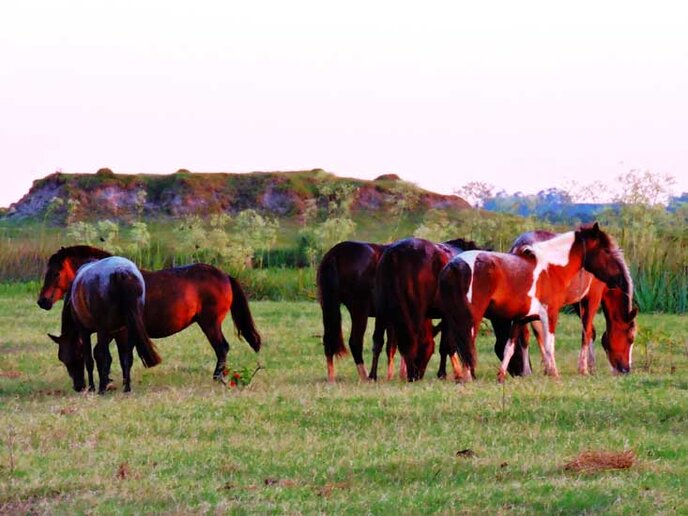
x=107, y=297
x=175, y=299
x=586, y=293
x=521, y=287
x=346, y=276
x=406, y=299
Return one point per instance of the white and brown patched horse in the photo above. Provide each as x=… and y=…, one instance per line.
x=528, y=285
x=586, y=293
x=106, y=297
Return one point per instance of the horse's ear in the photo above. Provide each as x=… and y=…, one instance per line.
x=55, y=339
x=596, y=227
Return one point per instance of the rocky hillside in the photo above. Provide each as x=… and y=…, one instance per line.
x=124, y=196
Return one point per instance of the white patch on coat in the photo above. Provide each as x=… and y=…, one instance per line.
x=555, y=251
x=102, y=270
x=469, y=258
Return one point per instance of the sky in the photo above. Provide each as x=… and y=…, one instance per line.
x=523, y=95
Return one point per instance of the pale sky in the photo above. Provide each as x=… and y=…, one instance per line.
x=524, y=95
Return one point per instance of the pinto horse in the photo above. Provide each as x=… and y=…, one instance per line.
x=106, y=296
x=175, y=299
x=586, y=293
x=525, y=286
x=346, y=276
x=406, y=299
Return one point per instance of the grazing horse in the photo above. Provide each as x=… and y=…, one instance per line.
x=525, y=286
x=406, y=299
x=175, y=299
x=586, y=293
x=346, y=276
x=106, y=296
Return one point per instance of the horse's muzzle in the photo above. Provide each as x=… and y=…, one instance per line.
x=45, y=303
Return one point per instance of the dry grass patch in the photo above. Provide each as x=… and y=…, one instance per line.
x=593, y=461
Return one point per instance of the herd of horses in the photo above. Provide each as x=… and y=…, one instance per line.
x=407, y=284
x=404, y=286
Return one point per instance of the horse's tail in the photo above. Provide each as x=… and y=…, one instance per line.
x=454, y=282
x=328, y=293
x=129, y=292
x=241, y=315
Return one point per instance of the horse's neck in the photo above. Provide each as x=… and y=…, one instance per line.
x=77, y=263
x=68, y=324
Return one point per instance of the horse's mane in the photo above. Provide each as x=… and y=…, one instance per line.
x=618, y=254
x=463, y=244
x=77, y=251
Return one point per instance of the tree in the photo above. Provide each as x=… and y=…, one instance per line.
x=476, y=192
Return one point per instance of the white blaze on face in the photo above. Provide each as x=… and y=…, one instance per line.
x=555, y=251
x=469, y=258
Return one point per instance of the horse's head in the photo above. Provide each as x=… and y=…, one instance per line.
x=605, y=260
x=617, y=340
x=71, y=354
x=426, y=348
x=61, y=269
x=58, y=279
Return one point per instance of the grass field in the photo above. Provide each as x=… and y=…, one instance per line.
x=292, y=443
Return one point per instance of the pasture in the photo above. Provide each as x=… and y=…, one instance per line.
x=290, y=442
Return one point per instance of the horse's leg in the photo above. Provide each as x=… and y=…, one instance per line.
x=444, y=351
x=540, y=335
x=509, y=347
x=213, y=331
x=519, y=364
x=587, y=309
x=549, y=318
x=359, y=321
x=88, y=357
x=126, y=359
x=103, y=359
x=378, y=343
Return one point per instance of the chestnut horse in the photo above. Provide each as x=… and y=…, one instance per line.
x=406, y=298
x=586, y=293
x=346, y=276
x=175, y=299
x=525, y=286
x=106, y=296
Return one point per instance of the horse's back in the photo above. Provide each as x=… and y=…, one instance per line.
x=178, y=296
x=100, y=287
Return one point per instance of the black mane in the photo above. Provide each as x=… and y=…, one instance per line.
x=77, y=251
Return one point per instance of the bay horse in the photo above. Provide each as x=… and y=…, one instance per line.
x=406, y=299
x=106, y=296
x=175, y=299
x=530, y=284
x=586, y=293
x=346, y=276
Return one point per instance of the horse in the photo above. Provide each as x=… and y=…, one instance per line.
x=346, y=276
x=586, y=293
x=406, y=299
x=175, y=299
x=106, y=296
x=525, y=286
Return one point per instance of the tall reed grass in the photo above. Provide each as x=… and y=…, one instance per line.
x=655, y=243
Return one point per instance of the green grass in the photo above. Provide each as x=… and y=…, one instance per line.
x=292, y=443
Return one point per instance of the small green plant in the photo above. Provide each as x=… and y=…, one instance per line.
x=239, y=378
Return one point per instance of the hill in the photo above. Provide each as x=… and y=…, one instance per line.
x=284, y=194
